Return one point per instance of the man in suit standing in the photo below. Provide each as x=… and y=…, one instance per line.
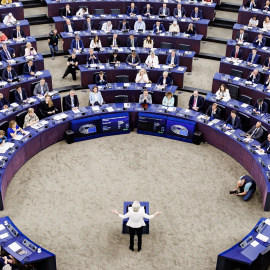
x=213, y=111
x=259, y=41
x=237, y=53
x=91, y=57
x=18, y=33
x=158, y=28
x=124, y=26
x=132, y=11
x=254, y=76
x=77, y=44
x=7, y=53
x=41, y=89
x=114, y=41
x=132, y=42
x=179, y=11
x=172, y=60
x=233, y=120
x=133, y=59
x=71, y=101
x=255, y=132
x=196, y=102
x=260, y=106
x=69, y=26
x=9, y=74
x=196, y=14
x=241, y=36
x=253, y=57
x=29, y=68
x=20, y=95
x=88, y=25
x=164, y=11
x=66, y=12
x=147, y=10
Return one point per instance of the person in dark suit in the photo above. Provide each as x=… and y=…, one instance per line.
x=47, y=107
x=233, y=120
x=132, y=42
x=196, y=14
x=253, y=57
x=29, y=68
x=71, y=101
x=164, y=11
x=7, y=53
x=172, y=60
x=259, y=41
x=255, y=132
x=123, y=26
x=191, y=29
x=266, y=7
x=18, y=33
x=4, y=104
x=20, y=95
x=164, y=80
x=147, y=10
x=266, y=64
x=196, y=102
x=92, y=58
x=241, y=36
x=251, y=4
x=114, y=41
x=88, y=25
x=265, y=146
x=9, y=74
x=101, y=78
x=133, y=59
x=77, y=44
x=158, y=27
x=66, y=12
x=237, y=53
x=179, y=11
x=213, y=111
x=254, y=76
x=260, y=106
x=69, y=26
x=132, y=10
x=114, y=58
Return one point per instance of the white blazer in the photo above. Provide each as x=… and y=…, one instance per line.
x=152, y=61
x=95, y=45
x=136, y=218
x=140, y=80
x=226, y=95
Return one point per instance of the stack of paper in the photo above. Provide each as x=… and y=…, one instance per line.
x=29, y=100
x=19, y=137
x=110, y=109
x=5, y=146
x=95, y=108
x=14, y=247
x=38, y=73
x=60, y=116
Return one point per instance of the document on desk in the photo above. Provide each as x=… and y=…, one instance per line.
x=228, y=133
x=262, y=237
x=180, y=68
x=3, y=83
x=148, y=85
x=4, y=147
x=202, y=116
x=110, y=109
x=40, y=124
x=260, y=153
x=164, y=107
x=244, y=105
x=166, y=67
x=29, y=57
x=76, y=111
x=60, y=116
x=267, y=221
x=19, y=137
x=30, y=100
x=126, y=84
x=38, y=73
x=120, y=49
x=2, y=227
x=14, y=247
x=95, y=108
x=171, y=109
x=126, y=105
x=12, y=61
x=4, y=235
x=187, y=110
x=236, y=78
x=138, y=67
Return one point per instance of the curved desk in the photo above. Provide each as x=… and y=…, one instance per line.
x=87, y=74
x=194, y=41
x=185, y=57
x=7, y=29
x=15, y=9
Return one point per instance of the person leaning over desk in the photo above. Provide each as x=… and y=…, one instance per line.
x=265, y=146
x=233, y=120
x=135, y=223
x=145, y=98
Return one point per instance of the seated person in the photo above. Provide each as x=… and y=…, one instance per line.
x=69, y=26
x=91, y=57
x=265, y=146
x=266, y=23
x=237, y=53
x=9, y=74
x=8, y=261
x=3, y=37
x=266, y=7
x=233, y=120
x=5, y=2
x=71, y=101
x=4, y=104
x=114, y=58
x=29, y=68
x=47, y=107
x=152, y=60
x=123, y=26
x=254, y=76
x=9, y=19
x=14, y=130
x=95, y=97
x=132, y=42
x=260, y=106
x=246, y=186
x=142, y=76
x=77, y=44
x=66, y=12
x=114, y=41
x=133, y=59
x=30, y=119
x=72, y=65
x=241, y=36
x=168, y=99
x=250, y=4
x=29, y=50
x=88, y=25
x=158, y=28
x=213, y=111
x=253, y=22
x=223, y=92
x=196, y=102
x=132, y=10
x=164, y=80
x=255, y=132
x=82, y=12
x=18, y=33
x=266, y=63
x=139, y=25
x=179, y=11
x=259, y=41
x=145, y=97
x=164, y=11
x=101, y=78
x=41, y=88
x=147, y=11
x=196, y=14
x=266, y=83
x=20, y=95
x=107, y=27
x=3, y=138
x=148, y=42
x=95, y=43
x=7, y=53
x=191, y=29
x=253, y=57
x=174, y=27
x=172, y=59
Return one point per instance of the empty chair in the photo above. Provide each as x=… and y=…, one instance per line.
x=267, y=43
x=33, y=85
x=222, y=111
x=100, y=24
x=175, y=100
x=264, y=136
x=22, y=51
x=11, y=95
x=20, y=118
x=115, y=11
x=245, y=99
x=64, y=103
x=109, y=40
x=237, y=73
x=165, y=45
x=4, y=126
x=234, y=90
x=244, y=121
x=98, y=11
x=267, y=100
x=121, y=99
x=122, y=79
x=3, y=16
x=184, y=47
x=60, y=10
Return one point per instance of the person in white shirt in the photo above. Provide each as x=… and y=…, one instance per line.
x=174, y=27
x=9, y=19
x=253, y=22
x=142, y=76
x=107, y=26
x=266, y=23
x=136, y=222
x=148, y=42
x=81, y=12
x=152, y=60
x=29, y=50
x=139, y=25
x=223, y=92
x=95, y=43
